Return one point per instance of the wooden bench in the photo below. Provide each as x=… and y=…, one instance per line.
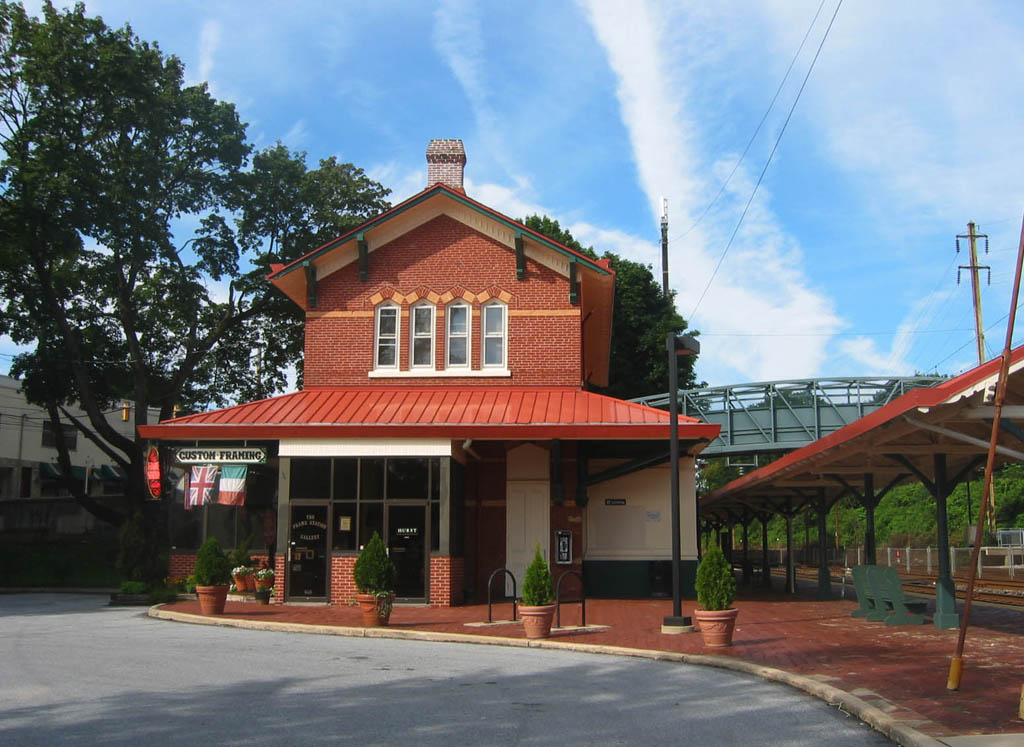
x=904, y=611
x=865, y=598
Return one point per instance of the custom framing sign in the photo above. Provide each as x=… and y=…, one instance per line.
x=221, y=455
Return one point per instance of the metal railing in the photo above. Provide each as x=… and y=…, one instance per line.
x=582, y=600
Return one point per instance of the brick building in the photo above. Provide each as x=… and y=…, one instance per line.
x=448, y=353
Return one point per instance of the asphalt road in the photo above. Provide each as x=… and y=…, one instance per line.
x=74, y=671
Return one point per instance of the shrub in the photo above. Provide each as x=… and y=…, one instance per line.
x=716, y=587
x=139, y=557
x=134, y=587
x=213, y=568
x=374, y=572
x=538, y=589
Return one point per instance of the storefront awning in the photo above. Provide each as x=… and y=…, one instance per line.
x=495, y=413
x=52, y=472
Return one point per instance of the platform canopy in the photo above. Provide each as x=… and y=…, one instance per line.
x=905, y=441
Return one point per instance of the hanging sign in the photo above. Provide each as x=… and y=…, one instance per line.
x=152, y=456
x=615, y=501
x=221, y=455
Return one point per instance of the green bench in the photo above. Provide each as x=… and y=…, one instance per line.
x=881, y=597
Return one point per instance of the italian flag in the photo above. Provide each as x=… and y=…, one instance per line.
x=232, y=485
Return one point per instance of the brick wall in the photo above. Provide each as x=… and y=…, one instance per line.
x=444, y=259
x=279, y=578
x=446, y=574
x=181, y=564
x=343, y=585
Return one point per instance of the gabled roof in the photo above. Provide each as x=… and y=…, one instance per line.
x=596, y=279
x=900, y=438
x=434, y=412
x=600, y=266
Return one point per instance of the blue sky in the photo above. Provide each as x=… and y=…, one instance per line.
x=909, y=126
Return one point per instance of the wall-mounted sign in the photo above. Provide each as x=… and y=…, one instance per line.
x=220, y=455
x=407, y=531
x=654, y=516
x=615, y=501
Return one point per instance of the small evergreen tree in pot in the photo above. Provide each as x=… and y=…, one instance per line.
x=538, y=596
x=716, y=590
x=213, y=574
x=375, y=575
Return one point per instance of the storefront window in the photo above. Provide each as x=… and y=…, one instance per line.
x=371, y=519
x=310, y=479
x=345, y=526
x=346, y=479
x=371, y=479
x=408, y=478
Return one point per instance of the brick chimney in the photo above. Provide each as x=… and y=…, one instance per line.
x=446, y=160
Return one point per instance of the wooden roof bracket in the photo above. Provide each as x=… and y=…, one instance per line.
x=364, y=259
x=574, y=284
x=520, y=257
x=310, y=283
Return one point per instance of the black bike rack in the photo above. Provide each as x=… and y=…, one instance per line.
x=515, y=602
x=582, y=600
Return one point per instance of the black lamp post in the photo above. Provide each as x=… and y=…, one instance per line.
x=676, y=345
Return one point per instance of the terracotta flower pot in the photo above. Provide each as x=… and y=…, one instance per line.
x=264, y=583
x=716, y=626
x=537, y=620
x=370, y=606
x=212, y=599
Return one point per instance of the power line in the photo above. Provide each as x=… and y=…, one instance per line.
x=768, y=162
x=760, y=124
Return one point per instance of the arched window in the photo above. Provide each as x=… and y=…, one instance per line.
x=386, y=336
x=421, y=340
x=458, y=335
x=494, y=326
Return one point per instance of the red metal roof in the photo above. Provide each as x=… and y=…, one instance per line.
x=418, y=412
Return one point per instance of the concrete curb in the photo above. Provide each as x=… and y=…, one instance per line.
x=879, y=720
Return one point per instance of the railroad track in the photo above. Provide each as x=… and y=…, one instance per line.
x=996, y=591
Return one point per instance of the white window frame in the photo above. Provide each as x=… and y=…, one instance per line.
x=377, y=337
x=484, y=336
x=413, y=337
x=468, y=335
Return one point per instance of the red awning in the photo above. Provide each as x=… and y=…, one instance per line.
x=423, y=412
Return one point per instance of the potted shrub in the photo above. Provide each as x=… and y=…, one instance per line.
x=375, y=579
x=213, y=574
x=264, y=578
x=538, y=607
x=243, y=576
x=716, y=589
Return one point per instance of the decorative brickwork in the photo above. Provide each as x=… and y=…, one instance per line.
x=446, y=575
x=343, y=584
x=448, y=259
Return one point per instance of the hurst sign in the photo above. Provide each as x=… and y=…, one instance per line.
x=218, y=455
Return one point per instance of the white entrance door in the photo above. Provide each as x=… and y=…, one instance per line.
x=527, y=524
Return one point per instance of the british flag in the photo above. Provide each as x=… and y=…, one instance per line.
x=200, y=488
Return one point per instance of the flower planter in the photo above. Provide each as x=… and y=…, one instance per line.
x=212, y=599
x=537, y=620
x=716, y=626
x=263, y=596
x=264, y=583
x=370, y=605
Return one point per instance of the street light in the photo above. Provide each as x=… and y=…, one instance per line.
x=676, y=345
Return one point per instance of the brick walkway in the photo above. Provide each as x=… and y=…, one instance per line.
x=902, y=670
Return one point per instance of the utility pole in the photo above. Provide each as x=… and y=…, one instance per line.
x=979, y=330
x=664, y=245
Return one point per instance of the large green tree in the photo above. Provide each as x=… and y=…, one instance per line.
x=643, y=318
x=107, y=160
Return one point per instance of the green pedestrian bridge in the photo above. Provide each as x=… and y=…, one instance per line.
x=773, y=416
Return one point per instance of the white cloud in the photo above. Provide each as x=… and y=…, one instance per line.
x=297, y=134
x=209, y=41
x=760, y=286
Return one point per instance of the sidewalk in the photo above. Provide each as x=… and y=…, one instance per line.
x=901, y=671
